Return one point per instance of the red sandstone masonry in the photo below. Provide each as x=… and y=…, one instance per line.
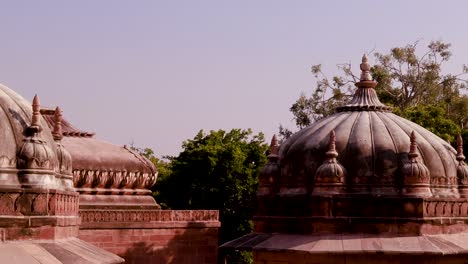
x=154, y=236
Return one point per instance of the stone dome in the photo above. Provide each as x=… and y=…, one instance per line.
x=362, y=185
x=363, y=169
x=372, y=145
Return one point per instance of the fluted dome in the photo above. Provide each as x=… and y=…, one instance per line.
x=372, y=145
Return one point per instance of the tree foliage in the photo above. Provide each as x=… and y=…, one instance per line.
x=219, y=171
x=415, y=85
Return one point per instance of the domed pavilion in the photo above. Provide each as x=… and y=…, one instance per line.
x=39, y=218
x=68, y=197
x=361, y=186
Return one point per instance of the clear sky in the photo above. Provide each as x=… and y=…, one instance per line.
x=156, y=72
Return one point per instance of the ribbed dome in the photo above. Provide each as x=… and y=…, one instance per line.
x=372, y=145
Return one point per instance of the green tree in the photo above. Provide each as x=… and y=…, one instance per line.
x=218, y=171
x=163, y=165
x=433, y=119
x=415, y=85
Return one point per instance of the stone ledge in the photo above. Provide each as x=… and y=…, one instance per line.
x=445, y=244
x=149, y=225
x=104, y=219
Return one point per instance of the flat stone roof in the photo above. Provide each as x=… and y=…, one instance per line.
x=442, y=244
x=71, y=250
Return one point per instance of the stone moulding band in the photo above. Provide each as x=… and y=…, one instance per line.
x=106, y=179
x=97, y=215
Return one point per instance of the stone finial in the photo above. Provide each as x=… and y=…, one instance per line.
x=416, y=174
x=269, y=175
x=413, y=147
x=331, y=153
x=460, y=156
x=57, y=131
x=330, y=176
x=462, y=169
x=274, y=146
x=35, y=125
x=365, y=69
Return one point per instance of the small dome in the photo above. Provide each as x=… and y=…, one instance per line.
x=27, y=143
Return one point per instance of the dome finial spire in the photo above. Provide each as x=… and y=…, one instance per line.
x=57, y=132
x=413, y=146
x=331, y=153
x=274, y=145
x=460, y=156
x=365, y=69
x=36, y=108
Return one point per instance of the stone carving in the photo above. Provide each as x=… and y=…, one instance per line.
x=6, y=162
x=416, y=175
x=462, y=169
x=365, y=98
x=330, y=176
x=90, y=216
x=34, y=153
x=7, y=206
x=112, y=180
x=39, y=204
x=64, y=157
x=270, y=173
x=63, y=204
x=445, y=209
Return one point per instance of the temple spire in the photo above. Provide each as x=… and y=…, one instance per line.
x=57, y=131
x=413, y=146
x=274, y=146
x=331, y=153
x=35, y=127
x=365, y=69
x=460, y=156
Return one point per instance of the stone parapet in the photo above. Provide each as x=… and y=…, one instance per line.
x=154, y=236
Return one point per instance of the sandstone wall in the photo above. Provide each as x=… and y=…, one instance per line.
x=154, y=236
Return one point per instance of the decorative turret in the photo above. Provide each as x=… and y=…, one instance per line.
x=416, y=175
x=57, y=129
x=63, y=156
x=35, y=127
x=35, y=158
x=462, y=169
x=270, y=173
x=330, y=176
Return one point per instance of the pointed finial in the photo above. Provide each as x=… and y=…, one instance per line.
x=331, y=153
x=57, y=132
x=413, y=146
x=332, y=144
x=35, y=126
x=274, y=146
x=460, y=156
x=365, y=69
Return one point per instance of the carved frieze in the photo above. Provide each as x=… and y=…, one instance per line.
x=109, y=179
x=90, y=216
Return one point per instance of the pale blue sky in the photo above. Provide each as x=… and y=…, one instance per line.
x=156, y=72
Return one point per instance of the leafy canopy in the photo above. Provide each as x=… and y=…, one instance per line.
x=219, y=171
x=415, y=85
